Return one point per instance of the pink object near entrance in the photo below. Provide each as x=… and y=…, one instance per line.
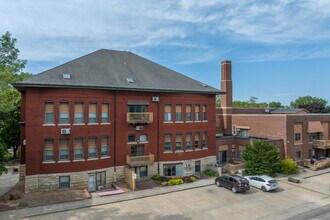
x=110, y=193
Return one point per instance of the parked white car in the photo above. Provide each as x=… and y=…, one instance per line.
x=264, y=182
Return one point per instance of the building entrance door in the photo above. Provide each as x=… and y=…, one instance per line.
x=222, y=157
x=91, y=183
x=141, y=171
x=137, y=150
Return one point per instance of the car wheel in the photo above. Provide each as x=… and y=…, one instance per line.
x=263, y=189
x=233, y=189
x=217, y=183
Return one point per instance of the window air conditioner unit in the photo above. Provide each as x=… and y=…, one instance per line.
x=65, y=130
x=139, y=128
x=155, y=99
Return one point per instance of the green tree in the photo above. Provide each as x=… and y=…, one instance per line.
x=275, y=105
x=11, y=70
x=261, y=157
x=218, y=101
x=3, y=158
x=311, y=104
x=289, y=166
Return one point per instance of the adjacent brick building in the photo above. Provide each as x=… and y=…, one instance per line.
x=297, y=133
x=84, y=121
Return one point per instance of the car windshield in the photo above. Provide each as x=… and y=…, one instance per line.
x=272, y=181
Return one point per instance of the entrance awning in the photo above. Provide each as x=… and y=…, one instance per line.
x=137, y=102
x=315, y=127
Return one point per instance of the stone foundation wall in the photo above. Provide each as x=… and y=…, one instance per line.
x=22, y=172
x=78, y=180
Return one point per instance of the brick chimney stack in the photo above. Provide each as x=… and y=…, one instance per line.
x=227, y=98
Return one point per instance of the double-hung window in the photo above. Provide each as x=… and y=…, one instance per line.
x=178, y=113
x=49, y=150
x=168, y=142
x=78, y=149
x=105, y=113
x=197, y=140
x=204, y=143
x=197, y=116
x=168, y=112
x=49, y=113
x=92, y=151
x=64, y=113
x=178, y=142
x=64, y=149
x=204, y=113
x=104, y=146
x=92, y=113
x=64, y=182
x=188, y=113
x=188, y=141
x=79, y=113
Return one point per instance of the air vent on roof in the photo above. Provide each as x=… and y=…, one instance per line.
x=204, y=85
x=130, y=80
x=66, y=76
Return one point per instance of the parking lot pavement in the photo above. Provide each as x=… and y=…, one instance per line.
x=208, y=202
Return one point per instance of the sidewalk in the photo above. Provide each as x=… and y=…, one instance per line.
x=8, y=180
x=41, y=210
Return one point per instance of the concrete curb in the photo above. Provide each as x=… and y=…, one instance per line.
x=62, y=207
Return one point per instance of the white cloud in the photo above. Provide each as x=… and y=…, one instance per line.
x=48, y=30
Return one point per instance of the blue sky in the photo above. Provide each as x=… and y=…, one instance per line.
x=280, y=50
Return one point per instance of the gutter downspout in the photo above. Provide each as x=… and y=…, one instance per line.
x=115, y=135
x=158, y=129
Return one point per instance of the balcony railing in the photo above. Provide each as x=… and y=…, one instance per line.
x=140, y=160
x=139, y=117
x=321, y=144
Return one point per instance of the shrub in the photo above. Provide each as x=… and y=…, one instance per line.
x=175, y=181
x=288, y=166
x=193, y=179
x=209, y=172
x=156, y=177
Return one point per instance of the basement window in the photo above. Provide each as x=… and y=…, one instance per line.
x=66, y=76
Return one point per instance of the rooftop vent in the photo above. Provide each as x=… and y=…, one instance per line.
x=66, y=76
x=130, y=80
x=204, y=85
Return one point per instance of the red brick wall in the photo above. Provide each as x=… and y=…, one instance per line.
x=36, y=132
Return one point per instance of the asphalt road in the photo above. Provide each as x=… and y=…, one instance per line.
x=212, y=202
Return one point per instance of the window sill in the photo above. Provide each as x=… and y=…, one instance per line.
x=189, y=150
x=92, y=123
x=197, y=121
x=64, y=124
x=205, y=148
x=105, y=157
x=189, y=121
x=48, y=162
x=79, y=160
x=179, y=151
x=168, y=152
x=92, y=159
x=105, y=123
x=168, y=122
x=143, y=142
x=205, y=121
x=63, y=161
x=79, y=124
x=48, y=125
x=197, y=149
x=178, y=122
x=132, y=142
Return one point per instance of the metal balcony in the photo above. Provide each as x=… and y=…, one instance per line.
x=139, y=117
x=134, y=161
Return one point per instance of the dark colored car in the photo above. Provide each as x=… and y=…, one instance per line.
x=234, y=182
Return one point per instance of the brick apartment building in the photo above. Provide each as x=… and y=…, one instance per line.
x=297, y=133
x=84, y=121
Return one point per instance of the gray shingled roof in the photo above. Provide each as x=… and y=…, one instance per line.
x=109, y=69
